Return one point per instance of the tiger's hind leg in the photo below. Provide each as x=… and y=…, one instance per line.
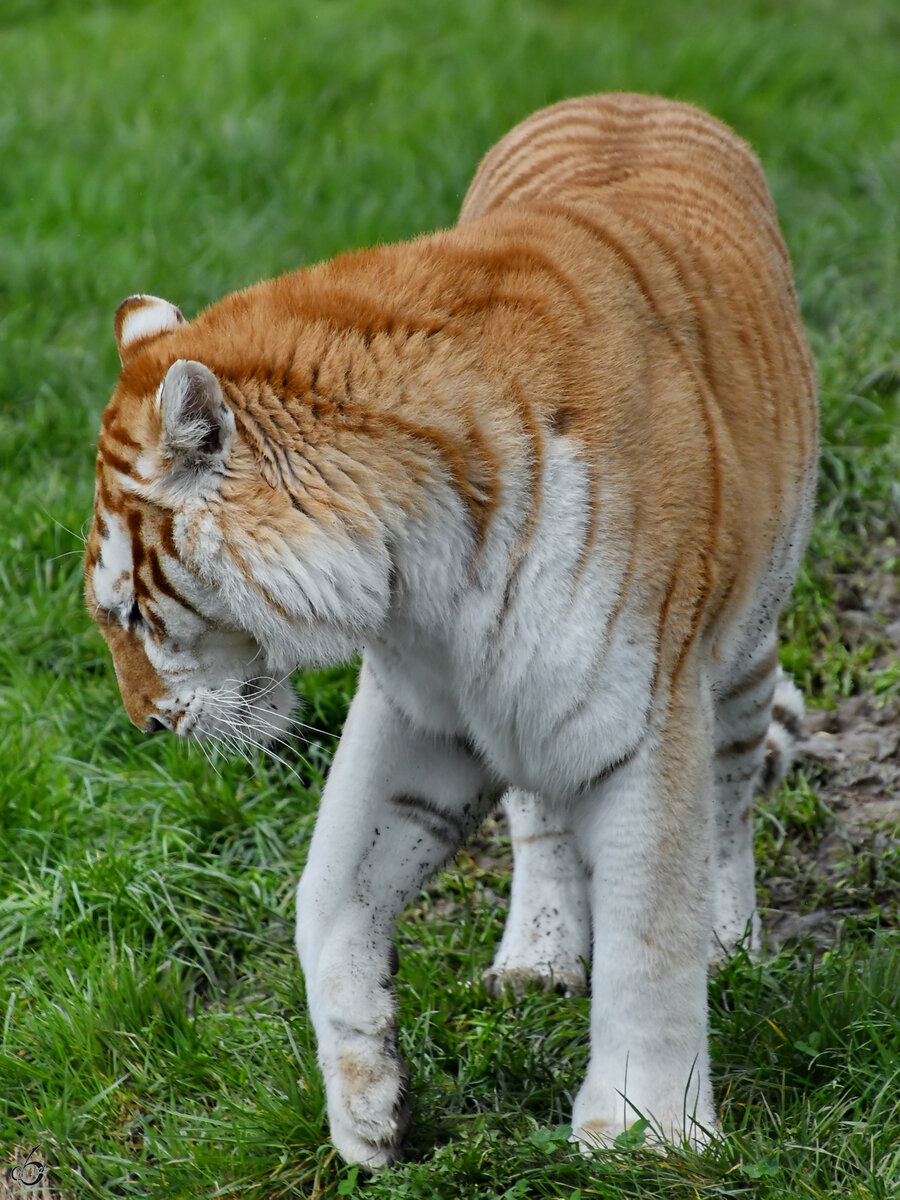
x=647, y=832
x=546, y=940
x=757, y=721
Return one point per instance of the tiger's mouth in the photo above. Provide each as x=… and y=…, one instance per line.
x=237, y=715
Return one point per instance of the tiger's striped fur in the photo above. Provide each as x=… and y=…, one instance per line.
x=552, y=471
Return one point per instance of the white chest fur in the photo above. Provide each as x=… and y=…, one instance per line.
x=533, y=660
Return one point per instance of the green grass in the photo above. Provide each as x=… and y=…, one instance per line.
x=154, y=1040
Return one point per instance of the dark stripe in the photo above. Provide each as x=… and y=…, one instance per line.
x=590, y=533
x=772, y=766
x=118, y=464
x=788, y=720
x=660, y=628
x=464, y=743
x=444, y=826
x=696, y=619
x=163, y=584
x=754, y=677
x=134, y=520
x=167, y=542
x=299, y=506
x=610, y=770
x=105, y=496
x=167, y=537
x=156, y=623
x=489, y=476
x=536, y=469
x=121, y=435
x=744, y=747
x=509, y=255
x=714, y=613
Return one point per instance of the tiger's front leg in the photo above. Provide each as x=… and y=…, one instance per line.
x=398, y=803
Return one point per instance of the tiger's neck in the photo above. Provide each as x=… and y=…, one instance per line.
x=346, y=505
x=384, y=450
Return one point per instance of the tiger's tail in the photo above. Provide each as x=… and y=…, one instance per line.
x=784, y=733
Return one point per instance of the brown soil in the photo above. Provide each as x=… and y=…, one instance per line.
x=850, y=870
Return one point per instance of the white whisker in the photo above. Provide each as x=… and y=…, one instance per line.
x=207, y=754
x=269, y=737
x=267, y=750
x=79, y=536
x=231, y=694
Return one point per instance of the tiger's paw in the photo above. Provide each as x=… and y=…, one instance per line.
x=367, y=1111
x=592, y=1136
x=568, y=980
x=599, y=1128
x=356, y=1148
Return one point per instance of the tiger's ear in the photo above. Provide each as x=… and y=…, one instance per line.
x=196, y=421
x=140, y=319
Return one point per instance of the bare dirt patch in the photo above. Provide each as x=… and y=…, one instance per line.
x=848, y=868
x=845, y=866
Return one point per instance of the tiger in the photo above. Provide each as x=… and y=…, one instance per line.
x=550, y=473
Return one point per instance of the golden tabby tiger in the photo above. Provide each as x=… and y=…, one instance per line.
x=551, y=471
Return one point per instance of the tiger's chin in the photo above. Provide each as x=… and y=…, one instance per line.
x=240, y=716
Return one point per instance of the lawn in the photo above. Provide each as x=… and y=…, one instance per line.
x=154, y=1039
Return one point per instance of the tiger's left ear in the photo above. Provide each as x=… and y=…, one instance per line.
x=140, y=319
x=196, y=421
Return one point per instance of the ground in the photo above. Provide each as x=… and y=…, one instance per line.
x=848, y=867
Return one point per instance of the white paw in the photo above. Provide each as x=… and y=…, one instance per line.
x=367, y=1109
x=597, y=1134
x=357, y=1151
x=565, y=980
x=665, y=1121
x=600, y=1134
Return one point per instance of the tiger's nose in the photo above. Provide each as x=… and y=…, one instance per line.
x=153, y=725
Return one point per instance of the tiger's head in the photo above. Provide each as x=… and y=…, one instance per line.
x=208, y=583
